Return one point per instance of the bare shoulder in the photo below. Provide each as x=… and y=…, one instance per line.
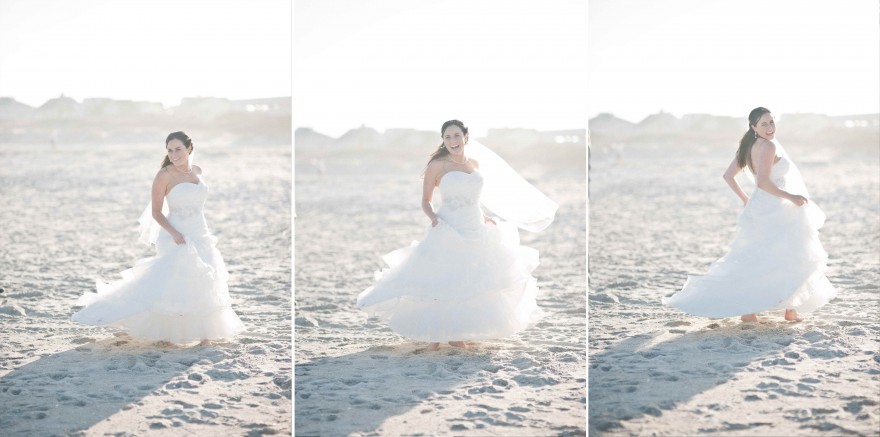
x=162, y=180
x=764, y=143
x=197, y=169
x=475, y=162
x=433, y=171
x=163, y=175
x=435, y=166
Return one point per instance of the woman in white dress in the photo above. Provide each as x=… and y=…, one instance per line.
x=469, y=278
x=181, y=294
x=775, y=260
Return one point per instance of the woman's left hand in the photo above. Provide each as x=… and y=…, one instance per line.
x=798, y=200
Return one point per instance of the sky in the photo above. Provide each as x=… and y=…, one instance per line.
x=729, y=56
x=415, y=64
x=150, y=50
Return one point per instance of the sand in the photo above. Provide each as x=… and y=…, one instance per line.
x=68, y=217
x=657, y=215
x=354, y=376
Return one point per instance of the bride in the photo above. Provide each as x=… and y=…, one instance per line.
x=776, y=260
x=469, y=278
x=180, y=295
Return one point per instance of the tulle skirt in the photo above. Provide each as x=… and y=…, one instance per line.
x=180, y=295
x=775, y=262
x=457, y=285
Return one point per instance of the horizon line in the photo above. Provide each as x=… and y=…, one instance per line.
x=659, y=112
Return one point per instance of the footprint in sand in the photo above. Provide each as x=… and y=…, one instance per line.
x=652, y=411
x=501, y=382
x=776, y=362
x=856, y=405
x=678, y=323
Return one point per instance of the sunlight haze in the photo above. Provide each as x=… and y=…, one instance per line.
x=159, y=51
x=727, y=57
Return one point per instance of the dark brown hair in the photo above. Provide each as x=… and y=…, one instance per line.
x=744, y=152
x=179, y=135
x=442, y=150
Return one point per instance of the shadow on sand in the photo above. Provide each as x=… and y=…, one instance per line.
x=347, y=391
x=73, y=390
x=644, y=374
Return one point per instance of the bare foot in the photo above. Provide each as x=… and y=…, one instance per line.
x=792, y=316
x=433, y=346
x=749, y=318
x=205, y=342
x=458, y=344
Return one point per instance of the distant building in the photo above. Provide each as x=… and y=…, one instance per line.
x=103, y=107
x=271, y=106
x=204, y=108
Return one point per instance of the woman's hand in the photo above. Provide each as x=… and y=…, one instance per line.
x=798, y=200
x=178, y=238
x=434, y=221
x=489, y=220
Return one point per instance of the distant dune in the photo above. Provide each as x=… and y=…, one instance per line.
x=64, y=121
x=691, y=131
x=366, y=150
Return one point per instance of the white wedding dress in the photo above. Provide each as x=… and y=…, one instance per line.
x=775, y=260
x=179, y=295
x=466, y=280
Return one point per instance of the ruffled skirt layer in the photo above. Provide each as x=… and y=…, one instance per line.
x=456, y=286
x=180, y=295
x=775, y=262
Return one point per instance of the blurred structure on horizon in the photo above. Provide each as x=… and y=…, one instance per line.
x=63, y=120
x=703, y=132
x=367, y=150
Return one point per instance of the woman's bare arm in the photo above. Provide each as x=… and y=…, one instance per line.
x=157, y=195
x=432, y=171
x=730, y=177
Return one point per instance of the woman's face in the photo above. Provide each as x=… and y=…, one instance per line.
x=454, y=140
x=178, y=153
x=766, y=126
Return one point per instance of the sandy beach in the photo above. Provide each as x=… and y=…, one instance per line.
x=69, y=216
x=657, y=214
x=354, y=376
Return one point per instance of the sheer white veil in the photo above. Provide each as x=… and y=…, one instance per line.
x=148, y=229
x=507, y=194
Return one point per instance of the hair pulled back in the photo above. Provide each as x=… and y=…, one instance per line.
x=179, y=135
x=744, y=152
x=441, y=149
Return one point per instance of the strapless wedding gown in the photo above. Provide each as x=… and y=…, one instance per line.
x=179, y=295
x=775, y=260
x=466, y=280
